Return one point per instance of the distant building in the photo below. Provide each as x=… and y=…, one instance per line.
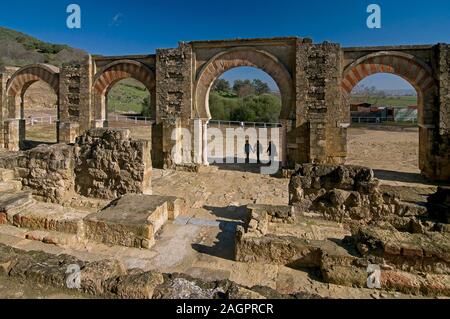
x=366, y=113
x=360, y=107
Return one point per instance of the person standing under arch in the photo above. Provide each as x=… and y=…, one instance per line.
x=272, y=152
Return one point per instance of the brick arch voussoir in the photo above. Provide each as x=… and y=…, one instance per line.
x=403, y=65
x=234, y=58
x=120, y=71
x=26, y=76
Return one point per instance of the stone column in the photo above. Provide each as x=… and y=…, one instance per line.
x=68, y=132
x=198, y=141
x=205, y=143
x=99, y=123
x=14, y=133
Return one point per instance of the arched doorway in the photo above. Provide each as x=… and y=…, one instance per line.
x=412, y=70
x=17, y=87
x=128, y=104
x=245, y=107
x=40, y=112
x=104, y=82
x=244, y=57
x=112, y=74
x=384, y=132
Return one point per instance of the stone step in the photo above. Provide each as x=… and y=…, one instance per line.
x=53, y=237
x=10, y=186
x=6, y=175
x=12, y=203
x=133, y=220
x=51, y=217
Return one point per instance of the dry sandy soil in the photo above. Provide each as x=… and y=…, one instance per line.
x=395, y=149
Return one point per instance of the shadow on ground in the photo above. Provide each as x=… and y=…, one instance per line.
x=404, y=177
x=222, y=246
x=237, y=213
x=30, y=144
x=239, y=165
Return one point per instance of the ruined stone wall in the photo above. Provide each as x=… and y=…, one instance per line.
x=348, y=193
x=104, y=164
x=318, y=74
x=443, y=157
x=173, y=99
x=45, y=170
x=109, y=164
x=3, y=104
x=75, y=99
x=5, y=75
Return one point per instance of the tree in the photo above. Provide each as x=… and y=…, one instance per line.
x=240, y=83
x=221, y=85
x=260, y=87
x=246, y=90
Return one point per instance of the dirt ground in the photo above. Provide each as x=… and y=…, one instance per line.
x=384, y=148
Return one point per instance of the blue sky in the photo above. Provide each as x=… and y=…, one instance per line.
x=137, y=27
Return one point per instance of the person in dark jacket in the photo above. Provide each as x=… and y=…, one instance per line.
x=272, y=151
x=248, y=150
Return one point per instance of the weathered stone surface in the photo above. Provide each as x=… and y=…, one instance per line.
x=11, y=203
x=135, y=286
x=348, y=193
x=110, y=164
x=131, y=220
x=179, y=286
x=439, y=204
x=394, y=280
x=428, y=252
x=238, y=292
x=53, y=217
x=50, y=174
x=283, y=250
x=95, y=275
x=6, y=175
x=8, y=259
x=47, y=171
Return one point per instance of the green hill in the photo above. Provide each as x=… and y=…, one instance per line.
x=128, y=96
x=19, y=49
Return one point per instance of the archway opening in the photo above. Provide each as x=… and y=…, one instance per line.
x=384, y=132
x=39, y=110
x=245, y=105
x=128, y=105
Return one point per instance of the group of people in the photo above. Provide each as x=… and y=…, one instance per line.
x=258, y=148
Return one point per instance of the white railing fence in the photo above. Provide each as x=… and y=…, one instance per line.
x=379, y=120
x=243, y=124
x=41, y=120
x=131, y=119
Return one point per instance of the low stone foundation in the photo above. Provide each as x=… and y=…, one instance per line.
x=45, y=170
x=439, y=204
x=132, y=220
x=104, y=163
x=110, y=279
x=109, y=164
x=346, y=193
x=341, y=221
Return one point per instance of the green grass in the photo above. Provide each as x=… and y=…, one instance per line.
x=394, y=101
x=127, y=96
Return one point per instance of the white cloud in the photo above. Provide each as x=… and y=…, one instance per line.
x=116, y=20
